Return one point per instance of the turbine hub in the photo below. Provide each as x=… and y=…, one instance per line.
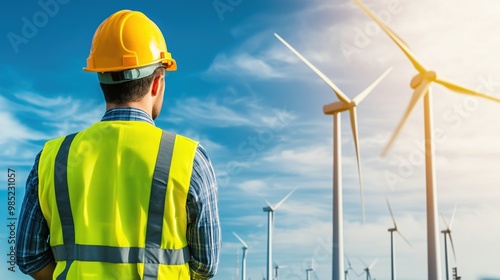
x=420, y=77
x=416, y=81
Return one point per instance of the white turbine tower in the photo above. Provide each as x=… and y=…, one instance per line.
x=421, y=85
x=392, y=230
x=237, y=265
x=445, y=232
x=244, y=259
x=308, y=273
x=345, y=104
x=270, y=223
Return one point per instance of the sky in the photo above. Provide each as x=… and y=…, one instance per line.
x=257, y=109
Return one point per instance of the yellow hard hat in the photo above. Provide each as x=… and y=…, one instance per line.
x=129, y=43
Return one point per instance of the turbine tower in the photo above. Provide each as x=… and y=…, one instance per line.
x=237, y=265
x=244, y=259
x=392, y=230
x=345, y=104
x=445, y=232
x=270, y=223
x=421, y=86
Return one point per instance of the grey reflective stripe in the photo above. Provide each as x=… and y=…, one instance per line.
x=62, y=197
x=110, y=254
x=152, y=255
x=61, y=190
x=156, y=210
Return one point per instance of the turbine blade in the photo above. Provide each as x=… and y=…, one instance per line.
x=241, y=240
x=401, y=44
x=404, y=238
x=390, y=211
x=417, y=95
x=354, y=127
x=283, y=200
x=337, y=91
x=267, y=202
x=373, y=264
x=348, y=261
x=453, y=247
x=464, y=90
x=444, y=221
x=363, y=262
x=453, y=216
x=360, y=97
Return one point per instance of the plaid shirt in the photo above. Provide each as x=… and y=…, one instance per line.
x=203, y=232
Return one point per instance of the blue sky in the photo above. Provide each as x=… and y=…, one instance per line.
x=258, y=111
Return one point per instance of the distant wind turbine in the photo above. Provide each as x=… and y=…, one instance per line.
x=367, y=269
x=421, y=85
x=270, y=224
x=309, y=270
x=276, y=270
x=349, y=268
x=345, y=104
x=392, y=230
x=445, y=232
x=244, y=259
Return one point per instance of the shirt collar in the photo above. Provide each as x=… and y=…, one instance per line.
x=127, y=114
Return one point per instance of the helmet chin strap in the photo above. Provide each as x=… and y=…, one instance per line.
x=119, y=77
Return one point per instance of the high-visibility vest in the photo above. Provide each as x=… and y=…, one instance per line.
x=114, y=197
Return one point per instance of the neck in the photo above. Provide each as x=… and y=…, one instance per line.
x=138, y=105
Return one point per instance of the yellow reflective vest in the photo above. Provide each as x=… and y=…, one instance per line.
x=114, y=197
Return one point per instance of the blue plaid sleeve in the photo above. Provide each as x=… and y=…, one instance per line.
x=32, y=249
x=203, y=232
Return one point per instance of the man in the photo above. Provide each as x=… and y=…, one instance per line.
x=122, y=199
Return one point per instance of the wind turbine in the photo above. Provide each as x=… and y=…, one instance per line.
x=276, y=270
x=445, y=232
x=392, y=230
x=421, y=85
x=270, y=223
x=345, y=104
x=309, y=270
x=244, y=259
x=367, y=269
x=346, y=272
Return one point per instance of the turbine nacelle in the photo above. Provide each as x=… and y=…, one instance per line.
x=337, y=107
x=429, y=76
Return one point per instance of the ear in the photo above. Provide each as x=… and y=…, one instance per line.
x=156, y=86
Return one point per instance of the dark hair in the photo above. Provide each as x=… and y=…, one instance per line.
x=129, y=91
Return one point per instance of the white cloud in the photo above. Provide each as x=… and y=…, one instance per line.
x=308, y=161
x=243, y=65
x=42, y=101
